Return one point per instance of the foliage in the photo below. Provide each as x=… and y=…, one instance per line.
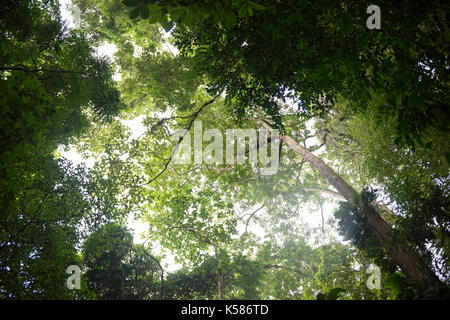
x=412, y=181
x=327, y=50
x=297, y=270
x=38, y=228
x=115, y=268
x=369, y=106
x=52, y=80
x=332, y=295
x=198, y=283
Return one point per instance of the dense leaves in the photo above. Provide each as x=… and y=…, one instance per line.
x=363, y=116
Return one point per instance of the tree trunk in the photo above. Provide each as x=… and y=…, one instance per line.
x=420, y=276
x=161, y=285
x=219, y=273
x=122, y=289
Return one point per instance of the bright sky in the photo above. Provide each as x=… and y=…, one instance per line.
x=136, y=128
x=135, y=125
x=312, y=217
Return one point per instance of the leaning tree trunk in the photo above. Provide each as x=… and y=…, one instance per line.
x=420, y=276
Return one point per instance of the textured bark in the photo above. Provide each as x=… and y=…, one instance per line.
x=420, y=276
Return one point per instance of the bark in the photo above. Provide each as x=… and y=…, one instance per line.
x=219, y=273
x=161, y=286
x=420, y=276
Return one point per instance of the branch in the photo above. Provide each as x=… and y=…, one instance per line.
x=32, y=220
x=276, y=266
x=247, y=150
x=161, y=121
x=326, y=171
x=249, y=218
x=164, y=40
x=20, y=67
x=161, y=288
x=200, y=166
x=195, y=232
x=327, y=191
x=193, y=117
x=302, y=162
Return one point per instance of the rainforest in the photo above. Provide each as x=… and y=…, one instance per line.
x=224, y=150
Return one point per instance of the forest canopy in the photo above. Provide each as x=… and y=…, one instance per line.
x=269, y=150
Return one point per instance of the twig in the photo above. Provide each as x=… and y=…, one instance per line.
x=249, y=218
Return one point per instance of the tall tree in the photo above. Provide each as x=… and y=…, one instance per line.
x=258, y=55
x=52, y=86
x=118, y=269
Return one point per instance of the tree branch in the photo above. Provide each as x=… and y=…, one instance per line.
x=249, y=218
x=193, y=117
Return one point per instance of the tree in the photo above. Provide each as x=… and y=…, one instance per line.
x=326, y=51
x=413, y=180
x=52, y=81
x=253, y=58
x=38, y=228
x=198, y=283
x=237, y=56
x=295, y=269
x=118, y=269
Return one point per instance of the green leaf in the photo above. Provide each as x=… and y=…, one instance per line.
x=256, y=6
x=131, y=3
x=334, y=293
x=134, y=13
x=293, y=17
x=145, y=12
x=321, y=296
x=230, y=19
x=167, y=25
x=356, y=197
x=242, y=12
x=189, y=17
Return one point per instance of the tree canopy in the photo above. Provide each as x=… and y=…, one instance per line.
x=352, y=121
